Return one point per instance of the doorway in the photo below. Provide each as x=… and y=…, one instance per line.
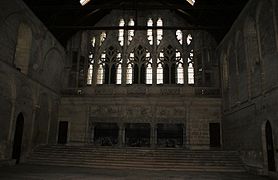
x=214, y=134
x=18, y=138
x=270, y=147
x=63, y=132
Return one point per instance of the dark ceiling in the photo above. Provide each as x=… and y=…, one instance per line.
x=65, y=17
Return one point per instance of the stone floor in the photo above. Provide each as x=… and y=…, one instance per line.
x=31, y=172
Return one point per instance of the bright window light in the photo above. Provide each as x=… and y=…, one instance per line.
x=191, y=2
x=84, y=2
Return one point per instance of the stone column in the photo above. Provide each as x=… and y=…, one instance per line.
x=153, y=135
x=121, y=135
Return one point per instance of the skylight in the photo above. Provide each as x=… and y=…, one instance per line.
x=84, y=2
x=191, y=2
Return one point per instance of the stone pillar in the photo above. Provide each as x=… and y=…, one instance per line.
x=121, y=135
x=153, y=135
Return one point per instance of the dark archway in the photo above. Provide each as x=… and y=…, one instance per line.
x=270, y=147
x=18, y=137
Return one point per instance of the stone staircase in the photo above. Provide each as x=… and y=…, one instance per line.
x=137, y=158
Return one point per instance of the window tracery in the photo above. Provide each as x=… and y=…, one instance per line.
x=150, y=31
x=110, y=67
x=102, y=37
x=121, y=32
x=131, y=23
x=171, y=62
x=179, y=36
x=91, y=61
x=159, y=31
x=140, y=65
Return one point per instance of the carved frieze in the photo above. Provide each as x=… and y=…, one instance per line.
x=170, y=91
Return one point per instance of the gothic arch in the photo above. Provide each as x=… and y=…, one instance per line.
x=52, y=67
x=140, y=38
x=169, y=38
x=111, y=40
x=23, y=48
x=266, y=28
x=252, y=54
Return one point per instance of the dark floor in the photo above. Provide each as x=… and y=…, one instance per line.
x=31, y=172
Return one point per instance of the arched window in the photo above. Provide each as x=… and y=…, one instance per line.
x=109, y=66
x=131, y=23
x=23, y=48
x=149, y=72
x=159, y=31
x=139, y=60
x=189, y=39
x=129, y=72
x=150, y=31
x=190, y=69
x=179, y=36
x=190, y=62
x=91, y=61
x=119, y=69
x=179, y=68
x=100, y=74
x=102, y=37
x=121, y=32
x=171, y=61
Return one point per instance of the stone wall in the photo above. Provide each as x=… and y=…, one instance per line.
x=31, y=67
x=248, y=56
x=194, y=113
x=194, y=106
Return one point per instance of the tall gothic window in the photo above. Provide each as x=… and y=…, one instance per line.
x=171, y=62
x=131, y=23
x=100, y=73
x=121, y=32
x=179, y=68
x=179, y=36
x=150, y=31
x=91, y=61
x=109, y=65
x=139, y=64
x=190, y=69
x=159, y=31
x=159, y=75
x=102, y=38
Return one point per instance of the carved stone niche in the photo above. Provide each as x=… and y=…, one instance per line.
x=170, y=91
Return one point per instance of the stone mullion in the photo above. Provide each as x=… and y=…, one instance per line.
x=125, y=57
x=154, y=58
x=96, y=62
x=185, y=54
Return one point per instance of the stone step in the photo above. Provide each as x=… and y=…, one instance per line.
x=150, y=161
x=137, y=158
x=141, y=167
x=120, y=157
